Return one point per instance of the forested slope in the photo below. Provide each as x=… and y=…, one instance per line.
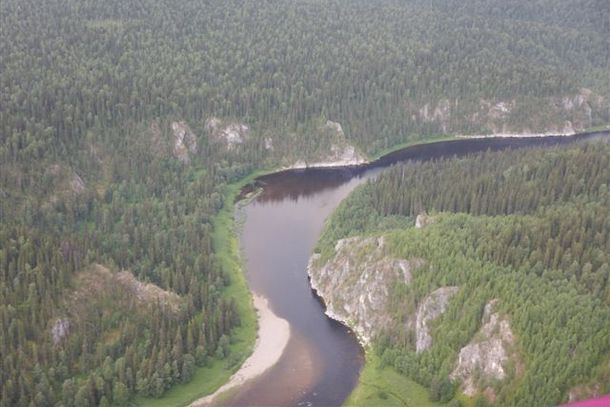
x=524, y=238
x=387, y=70
x=122, y=121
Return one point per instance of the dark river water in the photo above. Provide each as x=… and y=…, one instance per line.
x=322, y=361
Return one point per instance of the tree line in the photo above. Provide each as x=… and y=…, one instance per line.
x=528, y=227
x=89, y=90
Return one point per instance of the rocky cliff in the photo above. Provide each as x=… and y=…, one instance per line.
x=487, y=355
x=98, y=290
x=185, y=142
x=229, y=134
x=334, y=149
x=423, y=220
x=565, y=115
x=355, y=283
x=433, y=306
x=63, y=182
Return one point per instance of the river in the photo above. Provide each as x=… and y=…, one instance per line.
x=322, y=360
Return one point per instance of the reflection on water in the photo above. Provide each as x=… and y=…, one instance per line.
x=322, y=361
x=289, y=380
x=295, y=184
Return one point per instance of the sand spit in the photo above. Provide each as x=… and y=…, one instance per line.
x=273, y=336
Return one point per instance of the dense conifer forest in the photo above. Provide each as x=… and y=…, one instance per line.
x=110, y=284
x=530, y=229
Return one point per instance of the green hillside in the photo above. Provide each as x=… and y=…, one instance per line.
x=122, y=122
x=526, y=230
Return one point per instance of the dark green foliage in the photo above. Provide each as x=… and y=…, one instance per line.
x=89, y=89
x=565, y=192
x=495, y=184
x=72, y=69
x=544, y=254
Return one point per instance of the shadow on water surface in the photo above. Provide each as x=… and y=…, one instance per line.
x=323, y=359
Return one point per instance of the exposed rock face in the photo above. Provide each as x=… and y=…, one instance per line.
x=77, y=185
x=146, y=292
x=185, y=142
x=98, y=291
x=431, y=308
x=345, y=154
x=561, y=115
x=340, y=152
x=268, y=143
x=64, y=182
x=60, y=330
x=213, y=124
x=423, y=220
x=500, y=110
x=487, y=353
x=54, y=170
x=584, y=392
x=441, y=113
x=355, y=283
x=99, y=282
x=230, y=134
x=335, y=126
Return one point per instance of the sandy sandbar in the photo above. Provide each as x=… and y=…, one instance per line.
x=272, y=338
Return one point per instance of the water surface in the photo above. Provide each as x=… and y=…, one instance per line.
x=322, y=361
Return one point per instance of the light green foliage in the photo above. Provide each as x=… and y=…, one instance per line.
x=381, y=385
x=544, y=256
x=89, y=90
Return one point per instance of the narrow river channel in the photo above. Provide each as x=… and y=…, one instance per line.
x=322, y=361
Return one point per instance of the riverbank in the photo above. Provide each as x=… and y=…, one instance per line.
x=383, y=386
x=226, y=246
x=602, y=128
x=300, y=165
x=208, y=379
x=273, y=336
x=515, y=135
x=411, y=143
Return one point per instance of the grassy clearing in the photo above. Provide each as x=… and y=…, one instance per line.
x=383, y=386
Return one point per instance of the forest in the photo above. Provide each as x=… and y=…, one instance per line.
x=530, y=228
x=95, y=203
